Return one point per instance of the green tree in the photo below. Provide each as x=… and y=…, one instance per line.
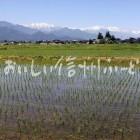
x=108, y=35
x=100, y=36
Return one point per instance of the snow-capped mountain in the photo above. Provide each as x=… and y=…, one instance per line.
x=118, y=32
x=44, y=31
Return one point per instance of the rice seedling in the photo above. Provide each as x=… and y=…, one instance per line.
x=58, y=107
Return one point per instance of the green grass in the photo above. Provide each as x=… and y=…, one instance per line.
x=114, y=50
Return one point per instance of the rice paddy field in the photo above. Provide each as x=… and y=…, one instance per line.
x=105, y=50
x=70, y=101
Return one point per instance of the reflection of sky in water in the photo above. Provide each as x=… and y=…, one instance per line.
x=110, y=92
x=58, y=84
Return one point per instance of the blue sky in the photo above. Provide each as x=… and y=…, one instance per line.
x=73, y=13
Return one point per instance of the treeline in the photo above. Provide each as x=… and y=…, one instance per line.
x=101, y=39
x=110, y=39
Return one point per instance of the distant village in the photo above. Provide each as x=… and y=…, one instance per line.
x=107, y=39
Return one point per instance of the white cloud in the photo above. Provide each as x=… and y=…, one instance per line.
x=97, y=28
x=42, y=25
x=136, y=32
x=109, y=28
x=114, y=29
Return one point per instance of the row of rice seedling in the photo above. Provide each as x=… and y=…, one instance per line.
x=91, y=107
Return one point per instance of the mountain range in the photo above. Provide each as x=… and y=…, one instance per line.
x=10, y=32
